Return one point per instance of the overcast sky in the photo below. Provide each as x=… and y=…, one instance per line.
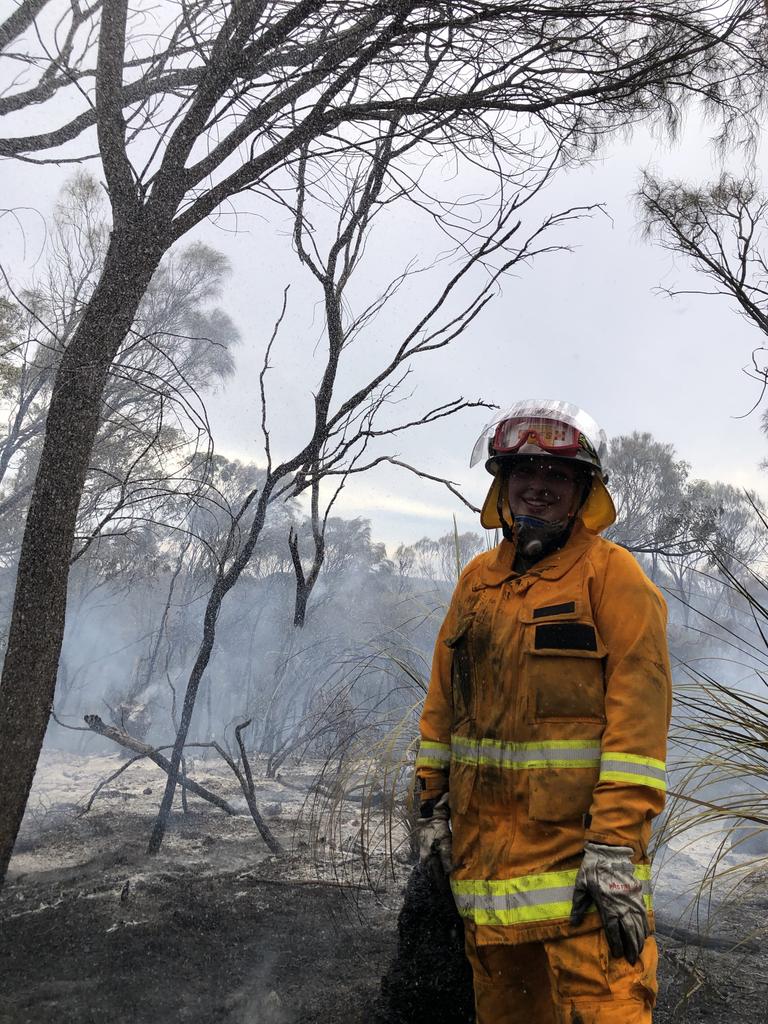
x=586, y=326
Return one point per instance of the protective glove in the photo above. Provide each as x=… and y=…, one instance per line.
x=434, y=837
x=606, y=877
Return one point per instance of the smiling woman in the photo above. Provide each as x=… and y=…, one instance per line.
x=544, y=489
x=544, y=736
x=544, y=497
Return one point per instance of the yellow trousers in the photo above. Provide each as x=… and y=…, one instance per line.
x=572, y=980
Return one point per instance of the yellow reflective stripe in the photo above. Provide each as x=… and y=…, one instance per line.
x=535, y=754
x=521, y=915
x=632, y=779
x=633, y=769
x=548, y=762
x=523, y=883
x=527, y=899
x=522, y=900
x=648, y=762
x=433, y=755
x=529, y=744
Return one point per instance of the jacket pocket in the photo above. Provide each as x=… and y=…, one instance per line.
x=563, y=668
x=462, y=677
x=560, y=794
x=461, y=782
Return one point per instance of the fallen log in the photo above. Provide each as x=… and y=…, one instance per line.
x=124, y=739
x=691, y=937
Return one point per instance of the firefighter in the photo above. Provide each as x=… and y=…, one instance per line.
x=543, y=737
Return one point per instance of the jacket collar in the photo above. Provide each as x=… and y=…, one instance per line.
x=498, y=567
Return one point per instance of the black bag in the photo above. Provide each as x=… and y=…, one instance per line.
x=430, y=980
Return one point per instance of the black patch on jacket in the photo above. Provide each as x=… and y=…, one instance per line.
x=573, y=636
x=554, y=609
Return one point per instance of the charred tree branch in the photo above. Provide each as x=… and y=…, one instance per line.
x=124, y=739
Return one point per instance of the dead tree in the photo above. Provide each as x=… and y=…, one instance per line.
x=305, y=581
x=345, y=425
x=153, y=423
x=722, y=231
x=124, y=739
x=56, y=68
x=239, y=766
x=232, y=95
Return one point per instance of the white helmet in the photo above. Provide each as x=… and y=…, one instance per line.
x=550, y=429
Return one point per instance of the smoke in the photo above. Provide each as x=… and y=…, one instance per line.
x=128, y=652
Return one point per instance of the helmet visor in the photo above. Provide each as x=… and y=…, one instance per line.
x=543, y=409
x=553, y=436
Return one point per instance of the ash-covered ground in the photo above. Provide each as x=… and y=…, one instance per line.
x=217, y=929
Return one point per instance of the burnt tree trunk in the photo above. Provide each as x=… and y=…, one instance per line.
x=225, y=580
x=305, y=583
x=37, y=621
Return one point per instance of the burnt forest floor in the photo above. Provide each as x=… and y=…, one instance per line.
x=215, y=929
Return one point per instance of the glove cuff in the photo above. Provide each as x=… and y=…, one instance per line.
x=607, y=851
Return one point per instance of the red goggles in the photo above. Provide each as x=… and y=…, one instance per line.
x=551, y=436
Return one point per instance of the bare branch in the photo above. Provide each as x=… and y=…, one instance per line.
x=124, y=739
x=262, y=375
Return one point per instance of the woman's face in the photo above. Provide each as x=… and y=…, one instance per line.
x=545, y=488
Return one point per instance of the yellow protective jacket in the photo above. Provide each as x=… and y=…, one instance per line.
x=546, y=718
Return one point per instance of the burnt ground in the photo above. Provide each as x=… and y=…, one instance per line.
x=216, y=930
x=190, y=949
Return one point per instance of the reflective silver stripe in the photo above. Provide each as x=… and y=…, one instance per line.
x=513, y=900
x=578, y=753
x=528, y=899
x=628, y=768
x=633, y=769
x=433, y=754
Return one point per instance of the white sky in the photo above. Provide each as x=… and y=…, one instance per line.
x=585, y=327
